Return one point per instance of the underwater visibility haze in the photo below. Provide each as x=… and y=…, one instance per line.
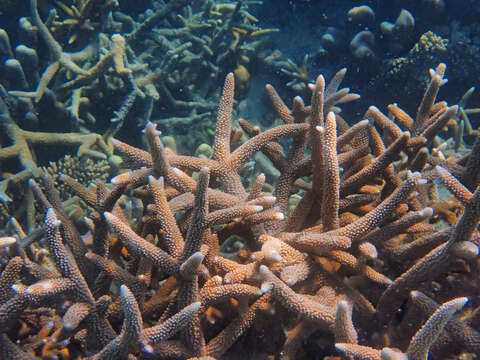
x=223, y=180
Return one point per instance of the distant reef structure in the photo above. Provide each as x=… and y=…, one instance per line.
x=386, y=45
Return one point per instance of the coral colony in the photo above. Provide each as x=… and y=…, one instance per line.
x=365, y=245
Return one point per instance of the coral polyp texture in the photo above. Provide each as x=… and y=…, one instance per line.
x=355, y=251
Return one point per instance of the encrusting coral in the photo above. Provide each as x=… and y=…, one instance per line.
x=330, y=273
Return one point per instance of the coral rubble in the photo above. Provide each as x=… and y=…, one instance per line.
x=365, y=264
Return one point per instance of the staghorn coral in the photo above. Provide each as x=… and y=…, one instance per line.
x=21, y=147
x=99, y=57
x=77, y=19
x=358, y=242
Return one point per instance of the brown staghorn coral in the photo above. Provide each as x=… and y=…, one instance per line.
x=337, y=268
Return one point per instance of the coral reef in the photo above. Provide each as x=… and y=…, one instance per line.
x=98, y=58
x=69, y=63
x=364, y=264
x=66, y=64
